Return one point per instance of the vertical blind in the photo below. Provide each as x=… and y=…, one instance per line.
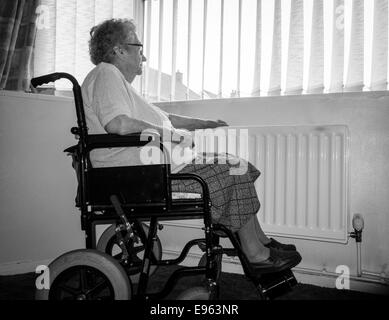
x=314, y=81
x=378, y=64
x=237, y=48
x=354, y=67
x=63, y=33
x=200, y=49
x=295, y=55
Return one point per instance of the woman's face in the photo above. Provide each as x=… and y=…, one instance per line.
x=134, y=56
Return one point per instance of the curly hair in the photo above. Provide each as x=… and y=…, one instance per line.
x=105, y=36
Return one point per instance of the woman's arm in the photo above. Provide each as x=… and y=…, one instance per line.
x=124, y=125
x=191, y=124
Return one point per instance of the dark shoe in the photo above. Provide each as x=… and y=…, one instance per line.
x=278, y=261
x=280, y=246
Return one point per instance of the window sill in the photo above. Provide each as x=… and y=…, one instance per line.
x=36, y=96
x=303, y=97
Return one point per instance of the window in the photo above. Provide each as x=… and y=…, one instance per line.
x=200, y=49
x=204, y=49
x=63, y=33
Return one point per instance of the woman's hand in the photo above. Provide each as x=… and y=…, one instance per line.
x=182, y=137
x=215, y=124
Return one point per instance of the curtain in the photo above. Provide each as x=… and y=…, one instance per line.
x=17, y=36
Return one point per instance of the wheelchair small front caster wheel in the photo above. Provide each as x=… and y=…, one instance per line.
x=108, y=244
x=86, y=275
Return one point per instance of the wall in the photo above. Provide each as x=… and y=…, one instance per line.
x=367, y=116
x=38, y=220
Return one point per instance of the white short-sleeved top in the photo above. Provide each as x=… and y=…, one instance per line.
x=107, y=94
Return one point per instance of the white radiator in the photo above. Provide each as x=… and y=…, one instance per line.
x=303, y=187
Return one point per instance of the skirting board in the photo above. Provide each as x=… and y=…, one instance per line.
x=20, y=267
x=305, y=276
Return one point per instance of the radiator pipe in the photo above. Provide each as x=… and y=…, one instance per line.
x=359, y=260
x=367, y=276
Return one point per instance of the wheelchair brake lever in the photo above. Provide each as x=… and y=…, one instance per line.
x=118, y=208
x=121, y=242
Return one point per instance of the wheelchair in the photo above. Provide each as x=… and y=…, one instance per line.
x=133, y=201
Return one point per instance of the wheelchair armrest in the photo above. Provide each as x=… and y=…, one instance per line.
x=97, y=141
x=193, y=176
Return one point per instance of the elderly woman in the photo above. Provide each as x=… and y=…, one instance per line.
x=113, y=106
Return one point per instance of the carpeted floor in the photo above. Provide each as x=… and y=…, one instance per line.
x=232, y=287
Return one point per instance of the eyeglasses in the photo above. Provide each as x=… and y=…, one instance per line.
x=136, y=45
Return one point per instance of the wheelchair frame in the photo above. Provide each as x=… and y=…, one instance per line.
x=154, y=206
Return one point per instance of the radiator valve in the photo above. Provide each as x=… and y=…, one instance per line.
x=358, y=224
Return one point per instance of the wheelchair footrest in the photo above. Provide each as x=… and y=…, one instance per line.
x=273, y=285
x=230, y=252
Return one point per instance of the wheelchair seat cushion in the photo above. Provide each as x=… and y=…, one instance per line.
x=233, y=196
x=185, y=195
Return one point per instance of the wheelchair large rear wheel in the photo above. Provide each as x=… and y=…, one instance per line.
x=86, y=275
x=108, y=243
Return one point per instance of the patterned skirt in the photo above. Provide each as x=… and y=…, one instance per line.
x=231, y=186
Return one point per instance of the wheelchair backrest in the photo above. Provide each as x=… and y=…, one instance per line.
x=134, y=185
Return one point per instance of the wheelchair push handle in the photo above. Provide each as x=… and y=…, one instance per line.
x=52, y=77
